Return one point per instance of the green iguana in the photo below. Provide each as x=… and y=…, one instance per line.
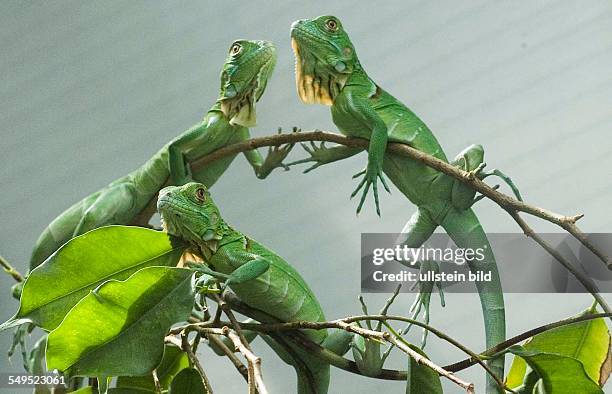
x=328, y=72
x=244, y=76
x=277, y=289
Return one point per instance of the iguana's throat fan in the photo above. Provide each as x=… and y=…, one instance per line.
x=245, y=75
x=188, y=212
x=324, y=59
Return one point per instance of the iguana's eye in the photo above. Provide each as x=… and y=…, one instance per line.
x=235, y=49
x=200, y=194
x=331, y=25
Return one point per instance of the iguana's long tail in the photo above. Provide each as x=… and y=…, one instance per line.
x=59, y=231
x=465, y=230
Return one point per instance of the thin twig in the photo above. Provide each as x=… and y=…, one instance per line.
x=401, y=344
x=347, y=365
x=235, y=324
x=463, y=364
x=585, y=281
x=344, y=324
x=387, y=337
x=254, y=363
x=214, y=338
x=183, y=343
x=366, y=333
x=8, y=268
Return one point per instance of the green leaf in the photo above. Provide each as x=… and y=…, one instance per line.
x=558, y=374
x=517, y=373
x=83, y=263
x=188, y=381
x=422, y=379
x=173, y=361
x=118, y=329
x=583, y=348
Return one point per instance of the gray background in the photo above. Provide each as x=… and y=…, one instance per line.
x=90, y=90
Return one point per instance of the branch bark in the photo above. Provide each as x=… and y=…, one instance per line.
x=255, y=377
x=8, y=268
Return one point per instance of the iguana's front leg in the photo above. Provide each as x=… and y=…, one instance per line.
x=359, y=108
x=180, y=172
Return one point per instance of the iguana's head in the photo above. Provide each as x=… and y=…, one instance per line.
x=324, y=58
x=244, y=77
x=188, y=212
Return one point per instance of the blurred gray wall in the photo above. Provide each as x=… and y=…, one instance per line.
x=89, y=90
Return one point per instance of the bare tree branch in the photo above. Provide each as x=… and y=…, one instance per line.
x=458, y=366
x=228, y=312
x=187, y=349
x=255, y=381
x=214, y=338
x=253, y=361
x=588, y=284
x=183, y=344
x=387, y=374
x=8, y=268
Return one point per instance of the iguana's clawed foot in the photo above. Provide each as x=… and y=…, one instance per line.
x=367, y=351
x=423, y=298
x=21, y=332
x=276, y=155
x=371, y=174
x=318, y=155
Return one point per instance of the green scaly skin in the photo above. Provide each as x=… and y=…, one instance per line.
x=244, y=76
x=328, y=72
x=188, y=212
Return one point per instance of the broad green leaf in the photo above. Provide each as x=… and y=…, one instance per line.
x=173, y=361
x=83, y=263
x=188, y=381
x=557, y=373
x=516, y=375
x=118, y=329
x=422, y=379
x=584, y=347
